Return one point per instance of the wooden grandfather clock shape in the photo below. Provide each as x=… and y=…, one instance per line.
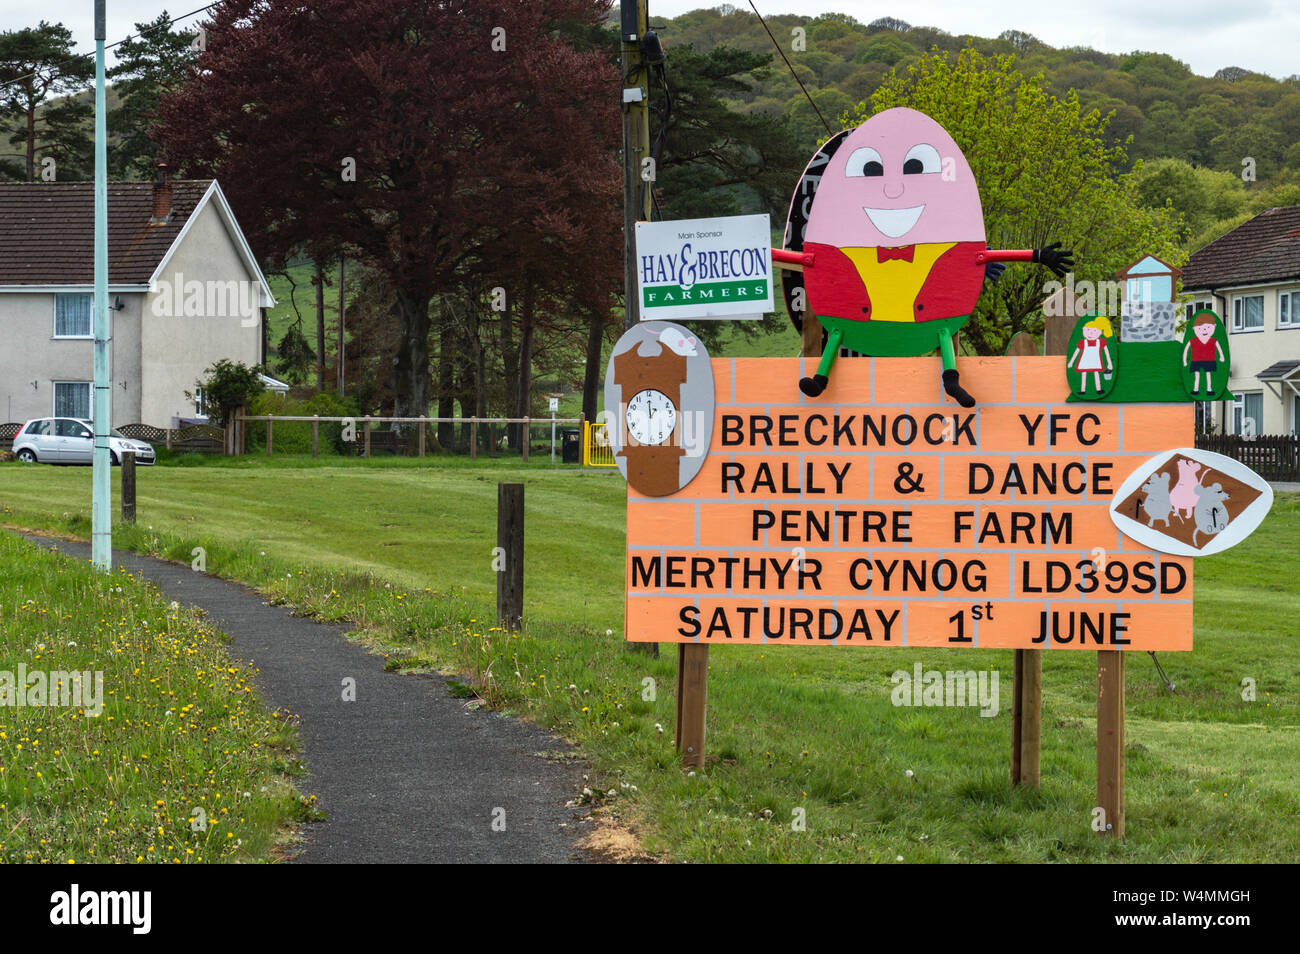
x=651, y=388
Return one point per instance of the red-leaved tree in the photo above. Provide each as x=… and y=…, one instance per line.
x=469, y=123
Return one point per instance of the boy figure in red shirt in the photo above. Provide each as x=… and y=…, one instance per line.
x=1204, y=351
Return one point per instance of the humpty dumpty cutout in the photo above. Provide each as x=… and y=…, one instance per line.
x=894, y=251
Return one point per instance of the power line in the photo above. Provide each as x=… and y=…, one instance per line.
x=126, y=39
x=829, y=131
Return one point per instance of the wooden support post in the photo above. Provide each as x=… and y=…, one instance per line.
x=269, y=425
x=1017, y=668
x=1022, y=343
x=811, y=338
x=473, y=438
x=1027, y=717
x=1110, y=740
x=692, y=698
x=367, y=431
x=128, y=486
x=422, y=426
x=1027, y=687
x=315, y=436
x=523, y=430
x=1056, y=333
x=168, y=432
x=510, y=554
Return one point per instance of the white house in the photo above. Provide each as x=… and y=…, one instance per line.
x=1251, y=277
x=184, y=286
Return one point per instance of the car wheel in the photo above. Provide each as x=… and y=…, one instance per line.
x=112, y=457
x=27, y=456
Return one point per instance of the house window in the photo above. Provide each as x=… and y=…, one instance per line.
x=72, y=399
x=200, y=406
x=1288, y=309
x=1248, y=313
x=1248, y=413
x=72, y=316
x=1195, y=306
x=1204, y=417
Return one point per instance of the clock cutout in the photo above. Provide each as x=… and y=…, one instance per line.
x=659, y=401
x=651, y=417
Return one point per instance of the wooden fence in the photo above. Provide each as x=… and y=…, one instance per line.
x=1273, y=457
x=206, y=438
x=360, y=435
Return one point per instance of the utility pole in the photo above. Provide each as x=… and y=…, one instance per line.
x=101, y=517
x=635, y=20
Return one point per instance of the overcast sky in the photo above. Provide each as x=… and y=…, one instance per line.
x=1260, y=35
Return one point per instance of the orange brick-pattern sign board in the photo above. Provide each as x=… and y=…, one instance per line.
x=879, y=514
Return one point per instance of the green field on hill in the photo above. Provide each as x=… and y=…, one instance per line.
x=404, y=547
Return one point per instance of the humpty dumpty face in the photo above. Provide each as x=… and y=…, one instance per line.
x=898, y=179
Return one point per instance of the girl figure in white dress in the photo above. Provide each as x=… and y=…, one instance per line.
x=1091, y=350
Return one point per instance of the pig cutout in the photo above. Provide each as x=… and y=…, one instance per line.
x=1157, y=505
x=1211, y=515
x=1184, y=494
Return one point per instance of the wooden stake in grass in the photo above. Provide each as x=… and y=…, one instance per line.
x=510, y=554
x=128, y=486
x=692, y=698
x=1110, y=741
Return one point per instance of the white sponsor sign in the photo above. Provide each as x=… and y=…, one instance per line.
x=705, y=268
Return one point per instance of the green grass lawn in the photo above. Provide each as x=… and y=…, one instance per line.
x=160, y=751
x=404, y=547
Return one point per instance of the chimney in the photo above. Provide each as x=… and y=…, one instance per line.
x=162, y=196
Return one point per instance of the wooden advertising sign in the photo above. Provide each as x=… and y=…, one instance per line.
x=881, y=514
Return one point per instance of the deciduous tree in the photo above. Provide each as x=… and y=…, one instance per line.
x=425, y=136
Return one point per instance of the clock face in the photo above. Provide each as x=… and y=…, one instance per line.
x=651, y=416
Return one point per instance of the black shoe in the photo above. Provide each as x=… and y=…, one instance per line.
x=955, y=390
x=813, y=386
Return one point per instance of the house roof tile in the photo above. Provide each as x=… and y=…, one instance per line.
x=1265, y=249
x=1278, y=371
x=47, y=230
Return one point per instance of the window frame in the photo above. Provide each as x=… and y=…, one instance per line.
x=90, y=398
x=1239, y=412
x=66, y=337
x=1292, y=296
x=1238, y=324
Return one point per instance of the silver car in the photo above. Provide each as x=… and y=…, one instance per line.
x=68, y=440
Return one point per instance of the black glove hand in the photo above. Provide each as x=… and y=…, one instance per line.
x=1059, y=260
x=993, y=271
